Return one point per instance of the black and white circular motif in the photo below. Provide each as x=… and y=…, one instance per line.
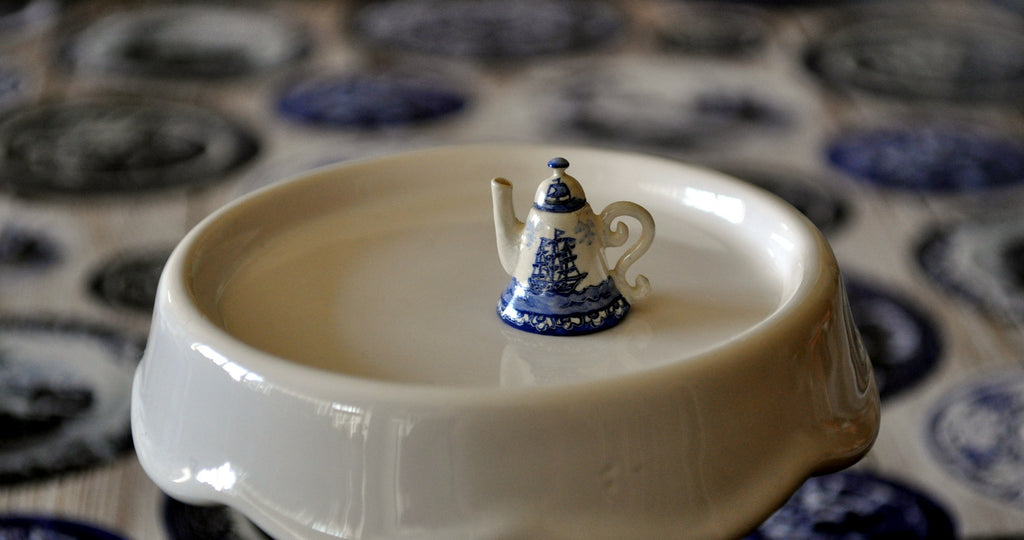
x=710, y=28
x=981, y=261
x=25, y=248
x=296, y=163
x=1015, y=5
x=487, y=29
x=15, y=86
x=195, y=41
x=658, y=104
x=852, y=504
x=18, y=15
x=911, y=57
x=65, y=392
x=976, y=432
x=25, y=527
x=369, y=100
x=102, y=147
x=828, y=210
x=190, y=522
x=937, y=159
x=902, y=342
x=130, y=280
x=792, y=3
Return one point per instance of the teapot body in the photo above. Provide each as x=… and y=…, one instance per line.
x=561, y=283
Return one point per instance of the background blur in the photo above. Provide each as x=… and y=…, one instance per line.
x=894, y=125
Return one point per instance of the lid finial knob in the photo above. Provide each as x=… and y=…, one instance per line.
x=559, y=163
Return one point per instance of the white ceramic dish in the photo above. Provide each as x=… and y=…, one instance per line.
x=325, y=357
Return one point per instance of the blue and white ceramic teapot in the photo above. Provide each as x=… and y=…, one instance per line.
x=561, y=283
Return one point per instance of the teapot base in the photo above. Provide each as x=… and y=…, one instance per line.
x=592, y=309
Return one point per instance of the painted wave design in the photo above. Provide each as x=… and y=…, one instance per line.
x=591, y=309
x=590, y=298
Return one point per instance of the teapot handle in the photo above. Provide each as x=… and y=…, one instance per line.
x=616, y=237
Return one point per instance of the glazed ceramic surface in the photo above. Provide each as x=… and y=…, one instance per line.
x=325, y=358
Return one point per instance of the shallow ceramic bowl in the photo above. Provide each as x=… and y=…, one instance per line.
x=326, y=358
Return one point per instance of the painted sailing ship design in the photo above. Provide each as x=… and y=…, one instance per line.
x=554, y=267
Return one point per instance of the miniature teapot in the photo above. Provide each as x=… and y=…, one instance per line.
x=561, y=283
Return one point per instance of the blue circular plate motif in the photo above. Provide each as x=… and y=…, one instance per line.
x=50, y=528
x=857, y=505
x=903, y=343
x=928, y=159
x=366, y=101
x=977, y=433
x=487, y=29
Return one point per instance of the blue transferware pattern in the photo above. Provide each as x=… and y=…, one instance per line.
x=561, y=284
x=356, y=100
x=857, y=505
x=974, y=432
x=27, y=527
x=929, y=159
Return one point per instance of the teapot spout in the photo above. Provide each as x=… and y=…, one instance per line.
x=507, y=228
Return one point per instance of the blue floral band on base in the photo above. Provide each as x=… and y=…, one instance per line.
x=597, y=307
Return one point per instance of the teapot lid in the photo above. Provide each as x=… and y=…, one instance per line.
x=561, y=192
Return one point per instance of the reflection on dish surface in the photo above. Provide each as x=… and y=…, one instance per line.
x=367, y=303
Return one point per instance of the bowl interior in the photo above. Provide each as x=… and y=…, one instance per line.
x=387, y=268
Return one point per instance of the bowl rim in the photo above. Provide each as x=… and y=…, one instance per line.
x=175, y=299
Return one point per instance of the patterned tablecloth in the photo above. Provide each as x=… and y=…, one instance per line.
x=895, y=126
